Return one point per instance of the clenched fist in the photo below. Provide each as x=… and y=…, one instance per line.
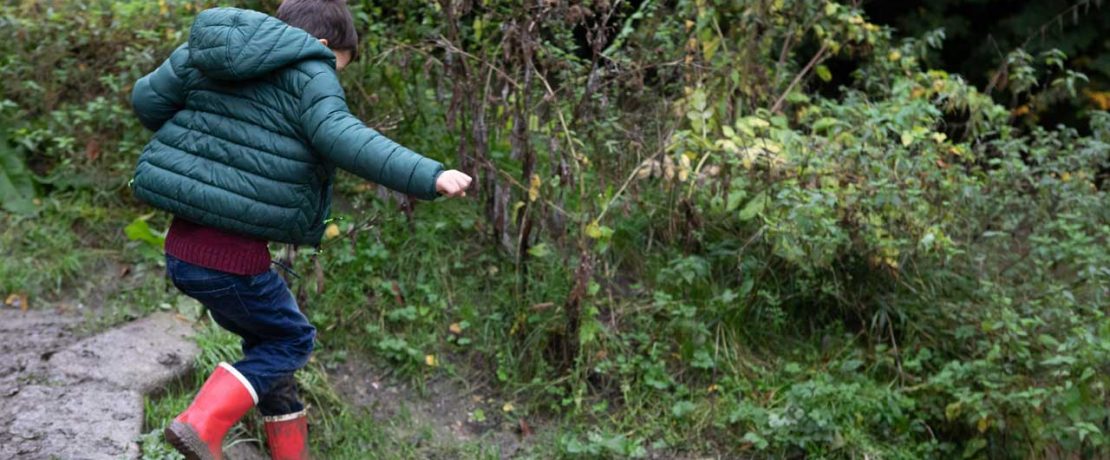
x=452, y=183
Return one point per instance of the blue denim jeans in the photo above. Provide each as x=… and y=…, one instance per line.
x=277, y=338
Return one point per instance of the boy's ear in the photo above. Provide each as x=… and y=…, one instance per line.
x=324, y=42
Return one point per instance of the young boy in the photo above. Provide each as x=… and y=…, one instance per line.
x=250, y=123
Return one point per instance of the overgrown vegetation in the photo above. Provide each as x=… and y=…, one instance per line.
x=685, y=238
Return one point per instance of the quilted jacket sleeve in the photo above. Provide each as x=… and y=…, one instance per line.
x=159, y=95
x=344, y=140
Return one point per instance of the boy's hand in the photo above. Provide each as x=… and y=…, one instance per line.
x=452, y=183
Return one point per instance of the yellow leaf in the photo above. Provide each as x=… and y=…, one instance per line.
x=713, y=388
x=1065, y=176
x=593, y=230
x=952, y=410
x=534, y=187
x=332, y=231
x=683, y=167
x=984, y=424
x=431, y=360
x=758, y=123
x=894, y=55
x=508, y=407
x=1100, y=99
x=668, y=168
x=648, y=168
x=907, y=138
x=18, y=301
x=455, y=328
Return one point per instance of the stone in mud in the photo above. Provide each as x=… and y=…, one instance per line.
x=88, y=421
x=143, y=356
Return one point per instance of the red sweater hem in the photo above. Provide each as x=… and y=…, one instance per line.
x=217, y=249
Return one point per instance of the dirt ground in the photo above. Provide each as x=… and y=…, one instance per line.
x=445, y=407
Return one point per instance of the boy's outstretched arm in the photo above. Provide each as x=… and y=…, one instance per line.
x=345, y=141
x=160, y=94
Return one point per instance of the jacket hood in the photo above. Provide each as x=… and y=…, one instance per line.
x=236, y=44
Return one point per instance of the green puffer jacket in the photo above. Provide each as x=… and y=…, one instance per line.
x=250, y=125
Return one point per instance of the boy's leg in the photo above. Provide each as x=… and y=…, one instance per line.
x=278, y=341
x=277, y=338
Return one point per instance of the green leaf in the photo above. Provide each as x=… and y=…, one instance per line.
x=734, y=199
x=824, y=73
x=539, y=251
x=754, y=207
x=825, y=123
x=139, y=230
x=17, y=191
x=756, y=440
x=682, y=408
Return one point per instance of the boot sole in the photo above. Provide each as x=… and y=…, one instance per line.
x=185, y=439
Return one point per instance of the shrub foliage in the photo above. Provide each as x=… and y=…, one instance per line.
x=692, y=231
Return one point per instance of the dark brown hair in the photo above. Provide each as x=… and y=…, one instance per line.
x=326, y=19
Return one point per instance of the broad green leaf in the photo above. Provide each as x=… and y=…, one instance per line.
x=754, y=207
x=539, y=251
x=139, y=230
x=17, y=189
x=824, y=73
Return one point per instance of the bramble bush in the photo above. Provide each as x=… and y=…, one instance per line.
x=755, y=228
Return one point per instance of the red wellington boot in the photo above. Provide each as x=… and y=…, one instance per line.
x=287, y=436
x=198, y=433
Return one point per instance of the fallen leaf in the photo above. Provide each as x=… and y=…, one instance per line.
x=431, y=360
x=508, y=407
x=92, y=149
x=332, y=231
x=525, y=430
x=455, y=328
x=18, y=301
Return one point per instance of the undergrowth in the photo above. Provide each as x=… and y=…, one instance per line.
x=683, y=241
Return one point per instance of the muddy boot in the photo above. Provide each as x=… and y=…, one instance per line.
x=198, y=433
x=287, y=436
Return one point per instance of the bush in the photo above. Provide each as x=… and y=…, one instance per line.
x=741, y=228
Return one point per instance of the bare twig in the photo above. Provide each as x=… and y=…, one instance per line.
x=798, y=78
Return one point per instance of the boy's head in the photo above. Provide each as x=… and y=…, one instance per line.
x=328, y=20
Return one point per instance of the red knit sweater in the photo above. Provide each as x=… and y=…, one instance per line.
x=217, y=249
